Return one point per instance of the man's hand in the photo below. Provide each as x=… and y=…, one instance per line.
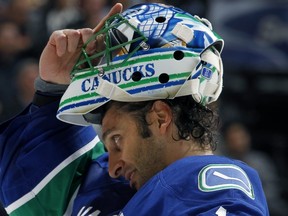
x=63, y=49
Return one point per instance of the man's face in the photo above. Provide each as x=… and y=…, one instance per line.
x=130, y=155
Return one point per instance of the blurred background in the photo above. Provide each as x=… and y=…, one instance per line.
x=255, y=56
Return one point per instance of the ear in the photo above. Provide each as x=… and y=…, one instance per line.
x=163, y=115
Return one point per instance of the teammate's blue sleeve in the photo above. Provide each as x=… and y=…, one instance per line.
x=43, y=161
x=100, y=194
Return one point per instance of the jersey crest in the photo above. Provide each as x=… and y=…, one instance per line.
x=217, y=177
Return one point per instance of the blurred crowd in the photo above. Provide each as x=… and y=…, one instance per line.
x=238, y=143
x=25, y=26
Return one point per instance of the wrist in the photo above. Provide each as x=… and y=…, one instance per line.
x=47, y=92
x=42, y=98
x=41, y=85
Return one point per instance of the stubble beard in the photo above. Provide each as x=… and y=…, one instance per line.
x=149, y=159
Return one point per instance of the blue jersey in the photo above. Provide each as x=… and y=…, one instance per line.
x=201, y=185
x=48, y=167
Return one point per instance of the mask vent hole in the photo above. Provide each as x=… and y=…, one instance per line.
x=160, y=19
x=178, y=55
x=163, y=78
x=136, y=76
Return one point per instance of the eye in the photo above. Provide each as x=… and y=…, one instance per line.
x=116, y=144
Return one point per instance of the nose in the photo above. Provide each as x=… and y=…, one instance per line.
x=115, y=166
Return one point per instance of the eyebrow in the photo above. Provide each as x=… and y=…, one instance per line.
x=106, y=133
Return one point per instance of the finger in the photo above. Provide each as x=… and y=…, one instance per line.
x=59, y=40
x=117, y=8
x=99, y=43
x=86, y=34
x=73, y=40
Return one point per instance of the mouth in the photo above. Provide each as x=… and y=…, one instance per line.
x=129, y=176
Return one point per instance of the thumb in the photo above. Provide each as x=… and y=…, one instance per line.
x=117, y=8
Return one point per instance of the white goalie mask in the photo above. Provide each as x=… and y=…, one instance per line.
x=150, y=51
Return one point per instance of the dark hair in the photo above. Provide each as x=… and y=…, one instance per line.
x=191, y=118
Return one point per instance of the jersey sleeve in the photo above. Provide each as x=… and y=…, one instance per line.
x=43, y=161
x=100, y=194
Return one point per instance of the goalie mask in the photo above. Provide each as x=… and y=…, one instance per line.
x=149, y=52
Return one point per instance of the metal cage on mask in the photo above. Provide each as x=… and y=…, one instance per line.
x=133, y=65
x=114, y=41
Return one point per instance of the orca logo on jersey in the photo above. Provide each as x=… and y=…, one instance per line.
x=217, y=177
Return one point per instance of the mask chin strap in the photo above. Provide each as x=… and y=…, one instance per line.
x=214, y=59
x=209, y=91
x=113, y=92
x=201, y=94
